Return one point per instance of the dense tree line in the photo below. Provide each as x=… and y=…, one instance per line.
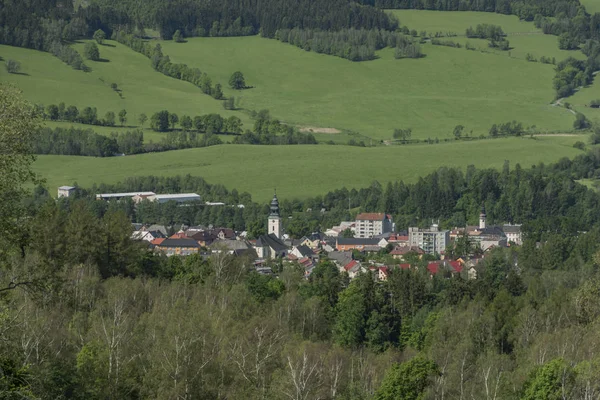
x=75, y=142
x=50, y=25
x=352, y=44
x=268, y=130
x=163, y=121
x=87, y=116
x=571, y=74
x=234, y=17
x=85, y=142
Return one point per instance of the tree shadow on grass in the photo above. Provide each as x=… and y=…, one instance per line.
x=108, y=45
x=103, y=60
x=20, y=73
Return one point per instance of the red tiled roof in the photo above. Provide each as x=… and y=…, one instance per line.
x=456, y=266
x=305, y=262
x=370, y=216
x=292, y=257
x=157, y=241
x=178, y=235
x=405, y=266
x=384, y=270
x=433, y=268
x=350, y=265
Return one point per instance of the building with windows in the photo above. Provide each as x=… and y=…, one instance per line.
x=432, y=240
x=66, y=191
x=369, y=225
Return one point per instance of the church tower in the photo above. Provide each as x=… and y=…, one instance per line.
x=274, y=218
x=482, y=217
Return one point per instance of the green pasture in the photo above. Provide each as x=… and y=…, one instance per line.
x=430, y=95
x=582, y=98
x=45, y=79
x=303, y=171
x=591, y=6
x=521, y=45
x=458, y=21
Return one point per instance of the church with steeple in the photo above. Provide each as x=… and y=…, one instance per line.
x=271, y=245
x=274, y=221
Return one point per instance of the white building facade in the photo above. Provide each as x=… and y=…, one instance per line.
x=369, y=225
x=431, y=240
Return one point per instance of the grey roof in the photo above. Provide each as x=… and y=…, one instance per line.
x=230, y=244
x=292, y=242
x=492, y=231
x=179, y=243
x=160, y=228
x=384, y=235
x=511, y=228
x=271, y=241
x=342, y=257
x=157, y=234
x=305, y=251
x=358, y=241
x=372, y=248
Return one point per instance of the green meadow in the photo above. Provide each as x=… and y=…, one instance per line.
x=303, y=171
x=430, y=95
x=46, y=80
x=591, y=6
x=458, y=21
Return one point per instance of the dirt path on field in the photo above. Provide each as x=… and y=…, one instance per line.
x=558, y=103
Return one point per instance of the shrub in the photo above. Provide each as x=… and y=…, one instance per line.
x=91, y=51
x=13, y=67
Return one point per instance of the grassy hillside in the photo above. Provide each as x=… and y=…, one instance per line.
x=430, y=95
x=591, y=6
x=47, y=80
x=302, y=171
x=458, y=21
x=523, y=36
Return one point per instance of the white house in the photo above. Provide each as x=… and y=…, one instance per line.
x=66, y=191
x=372, y=224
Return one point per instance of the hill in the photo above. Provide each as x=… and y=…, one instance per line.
x=303, y=171
x=591, y=6
x=45, y=79
x=430, y=95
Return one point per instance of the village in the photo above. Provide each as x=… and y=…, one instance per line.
x=369, y=243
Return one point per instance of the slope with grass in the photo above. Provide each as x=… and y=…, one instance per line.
x=458, y=21
x=45, y=79
x=591, y=6
x=523, y=36
x=303, y=171
x=430, y=95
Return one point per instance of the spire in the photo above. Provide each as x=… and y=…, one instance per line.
x=274, y=206
x=482, y=217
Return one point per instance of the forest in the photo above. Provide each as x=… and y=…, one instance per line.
x=89, y=313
